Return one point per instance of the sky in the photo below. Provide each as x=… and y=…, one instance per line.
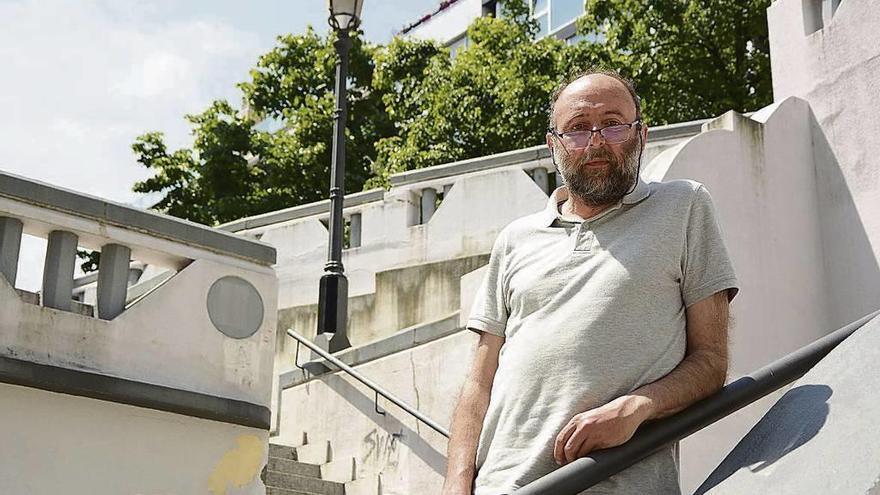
x=80, y=79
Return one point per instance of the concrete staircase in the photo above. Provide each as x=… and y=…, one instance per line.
x=309, y=469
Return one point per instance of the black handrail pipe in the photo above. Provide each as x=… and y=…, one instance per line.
x=369, y=383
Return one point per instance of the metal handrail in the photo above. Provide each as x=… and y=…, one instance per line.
x=369, y=383
x=585, y=472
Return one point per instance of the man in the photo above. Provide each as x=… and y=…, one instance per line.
x=605, y=310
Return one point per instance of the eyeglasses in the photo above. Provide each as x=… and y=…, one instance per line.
x=612, y=134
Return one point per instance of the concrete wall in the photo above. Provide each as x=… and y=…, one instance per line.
x=58, y=443
x=820, y=437
x=409, y=456
x=404, y=297
x=836, y=68
x=171, y=395
x=166, y=338
x=762, y=173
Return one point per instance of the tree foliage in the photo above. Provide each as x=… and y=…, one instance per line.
x=411, y=105
x=235, y=169
x=689, y=59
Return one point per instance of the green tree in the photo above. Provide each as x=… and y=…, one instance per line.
x=689, y=59
x=491, y=97
x=411, y=105
x=236, y=170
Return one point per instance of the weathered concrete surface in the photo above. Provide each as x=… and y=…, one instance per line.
x=821, y=436
x=58, y=443
x=762, y=174
x=837, y=70
x=409, y=456
x=401, y=341
x=404, y=297
x=166, y=338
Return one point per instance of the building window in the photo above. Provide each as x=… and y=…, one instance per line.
x=553, y=15
x=457, y=45
x=541, y=13
x=562, y=12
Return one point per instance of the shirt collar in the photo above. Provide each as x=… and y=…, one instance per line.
x=551, y=212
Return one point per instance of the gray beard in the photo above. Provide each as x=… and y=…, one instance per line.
x=599, y=187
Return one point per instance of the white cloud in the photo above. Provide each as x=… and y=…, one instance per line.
x=81, y=79
x=81, y=82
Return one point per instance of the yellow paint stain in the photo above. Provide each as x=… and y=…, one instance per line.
x=239, y=466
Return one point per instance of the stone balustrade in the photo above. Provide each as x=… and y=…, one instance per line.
x=69, y=221
x=164, y=379
x=449, y=211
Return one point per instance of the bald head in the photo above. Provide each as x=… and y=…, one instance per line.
x=596, y=93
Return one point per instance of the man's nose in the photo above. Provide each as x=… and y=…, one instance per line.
x=596, y=139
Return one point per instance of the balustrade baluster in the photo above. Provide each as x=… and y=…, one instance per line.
x=355, y=230
x=429, y=203
x=10, y=245
x=113, y=280
x=58, y=269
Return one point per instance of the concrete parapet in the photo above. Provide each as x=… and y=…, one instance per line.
x=172, y=388
x=820, y=436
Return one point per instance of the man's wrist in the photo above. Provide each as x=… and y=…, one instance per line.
x=639, y=406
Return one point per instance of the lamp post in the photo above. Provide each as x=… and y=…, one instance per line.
x=333, y=291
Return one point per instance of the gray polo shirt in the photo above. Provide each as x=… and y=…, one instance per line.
x=591, y=310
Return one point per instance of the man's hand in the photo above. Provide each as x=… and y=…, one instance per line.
x=603, y=427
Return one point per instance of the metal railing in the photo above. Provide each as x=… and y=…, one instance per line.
x=585, y=472
x=366, y=381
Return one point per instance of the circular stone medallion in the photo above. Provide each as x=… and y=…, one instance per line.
x=235, y=307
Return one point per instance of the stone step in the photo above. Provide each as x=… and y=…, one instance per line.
x=369, y=485
x=304, y=484
x=282, y=491
x=287, y=451
x=341, y=471
x=315, y=453
x=290, y=466
x=282, y=452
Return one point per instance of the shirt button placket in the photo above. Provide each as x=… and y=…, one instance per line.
x=584, y=238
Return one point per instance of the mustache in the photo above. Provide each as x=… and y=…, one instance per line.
x=591, y=154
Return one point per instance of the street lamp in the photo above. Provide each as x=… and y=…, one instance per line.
x=345, y=16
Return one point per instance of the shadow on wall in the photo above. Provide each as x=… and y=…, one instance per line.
x=851, y=267
x=794, y=420
x=394, y=427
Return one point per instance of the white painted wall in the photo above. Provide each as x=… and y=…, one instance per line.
x=465, y=224
x=57, y=443
x=761, y=174
x=837, y=70
x=449, y=23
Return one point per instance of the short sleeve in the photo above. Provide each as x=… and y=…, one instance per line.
x=706, y=266
x=489, y=310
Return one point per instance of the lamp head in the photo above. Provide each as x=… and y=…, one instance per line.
x=345, y=15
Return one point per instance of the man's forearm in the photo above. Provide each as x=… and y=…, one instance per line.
x=703, y=370
x=698, y=376
x=467, y=423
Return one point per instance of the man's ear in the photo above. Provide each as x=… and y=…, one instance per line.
x=550, y=142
